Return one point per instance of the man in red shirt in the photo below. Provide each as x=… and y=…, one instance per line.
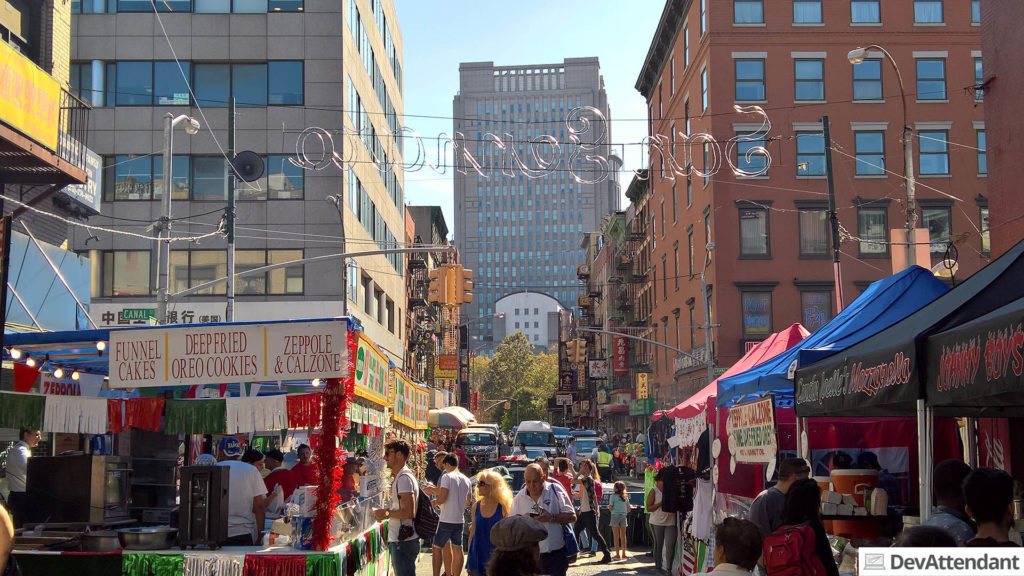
x=304, y=471
x=562, y=474
x=279, y=475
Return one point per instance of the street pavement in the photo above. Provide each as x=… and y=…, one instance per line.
x=637, y=562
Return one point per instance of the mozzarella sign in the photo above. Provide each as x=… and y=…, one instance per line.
x=227, y=353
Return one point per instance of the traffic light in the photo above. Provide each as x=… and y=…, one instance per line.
x=570, y=346
x=435, y=292
x=581, y=351
x=464, y=286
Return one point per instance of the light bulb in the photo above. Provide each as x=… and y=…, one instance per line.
x=101, y=345
x=316, y=382
x=75, y=375
x=30, y=361
x=15, y=353
x=58, y=373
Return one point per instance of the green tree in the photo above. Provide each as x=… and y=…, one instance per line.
x=517, y=372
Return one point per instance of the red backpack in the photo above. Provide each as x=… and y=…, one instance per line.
x=790, y=551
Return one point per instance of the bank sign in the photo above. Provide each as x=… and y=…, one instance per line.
x=224, y=354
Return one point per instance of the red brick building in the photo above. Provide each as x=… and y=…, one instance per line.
x=771, y=265
x=1004, y=83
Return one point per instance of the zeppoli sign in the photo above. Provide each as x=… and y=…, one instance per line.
x=222, y=354
x=751, y=431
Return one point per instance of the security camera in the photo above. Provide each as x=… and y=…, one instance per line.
x=192, y=126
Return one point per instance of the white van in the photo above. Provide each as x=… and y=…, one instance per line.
x=538, y=437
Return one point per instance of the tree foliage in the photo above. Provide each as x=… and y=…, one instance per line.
x=517, y=372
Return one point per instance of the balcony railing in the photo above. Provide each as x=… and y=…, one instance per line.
x=73, y=138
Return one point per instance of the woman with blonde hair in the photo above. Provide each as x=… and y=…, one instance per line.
x=590, y=506
x=493, y=502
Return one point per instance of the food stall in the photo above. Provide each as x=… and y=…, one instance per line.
x=344, y=381
x=410, y=403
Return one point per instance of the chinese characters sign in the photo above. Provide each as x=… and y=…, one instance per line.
x=751, y=431
x=447, y=367
x=222, y=354
x=621, y=356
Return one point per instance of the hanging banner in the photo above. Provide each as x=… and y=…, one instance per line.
x=29, y=97
x=641, y=385
x=621, y=356
x=371, y=377
x=86, y=385
x=751, y=432
x=599, y=368
x=421, y=395
x=227, y=353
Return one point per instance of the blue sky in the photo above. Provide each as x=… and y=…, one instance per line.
x=438, y=35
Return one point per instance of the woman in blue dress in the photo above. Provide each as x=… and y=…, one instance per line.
x=493, y=502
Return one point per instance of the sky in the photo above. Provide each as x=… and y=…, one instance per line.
x=438, y=35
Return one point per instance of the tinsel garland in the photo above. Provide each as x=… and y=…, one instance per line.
x=151, y=564
x=304, y=410
x=274, y=565
x=329, y=456
x=21, y=410
x=143, y=413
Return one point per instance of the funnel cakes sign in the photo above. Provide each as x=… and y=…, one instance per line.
x=227, y=353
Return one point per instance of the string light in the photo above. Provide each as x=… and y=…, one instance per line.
x=58, y=373
x=75, y=375
x=316, y=382
x=30, y=361
x=101, y=345
x=15, y=353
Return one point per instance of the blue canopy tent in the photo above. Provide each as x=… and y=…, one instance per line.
x=884, y=303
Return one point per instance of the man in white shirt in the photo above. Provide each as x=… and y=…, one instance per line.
x=551, y=507
x=246, y=491
x=403, y=543
x=17, y=473
x=453, y=496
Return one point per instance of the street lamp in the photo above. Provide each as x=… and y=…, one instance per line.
x=856, y=56
x=164, y=246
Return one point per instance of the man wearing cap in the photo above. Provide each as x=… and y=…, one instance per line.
x=551, y=507
x=768, y=510
x=246, y=491
x=515, y=542
x=279, y=475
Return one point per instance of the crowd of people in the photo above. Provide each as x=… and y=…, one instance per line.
x=529, y=532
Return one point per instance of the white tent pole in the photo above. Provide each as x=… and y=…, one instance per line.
x=924, y=466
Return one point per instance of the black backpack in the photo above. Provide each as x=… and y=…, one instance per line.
x=424, y=518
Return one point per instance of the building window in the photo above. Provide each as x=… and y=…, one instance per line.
x=209, y=178
x=934, y=152
x=753, y=232
x=927, y=11
x=689, y=244
x=931, y=79
x=689, y=191
x=975, y=11
x=986, y=247
x=675, y=262
x=810, y=79
x=672, y=76
x=134, y=83
x=132, y=178
x=170, y=84
x=938, y=222
x=982, y=154
x=750, y=80
x=872, y=223
x=284, y=180
x=686, y=47
x=814, y=235
x=757, y=313
x=693, y=324
x=278, y=281
x=867, y=80
x=979, y=79
x=675, y=203
x=815, y=308
x=126, y=273
x=664, y=276
x=703, y=17
x=703, y=90
x=748, y=11
x=807, y=12
x=865, y=12
x=756, y=161
x=707, y=164
x=810, y=153
x=870, y=150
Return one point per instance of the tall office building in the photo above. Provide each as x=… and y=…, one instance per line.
x=519, y=229
x=290, y=65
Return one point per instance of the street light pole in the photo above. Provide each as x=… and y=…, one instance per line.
x=163, y=258
x=856, y=56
